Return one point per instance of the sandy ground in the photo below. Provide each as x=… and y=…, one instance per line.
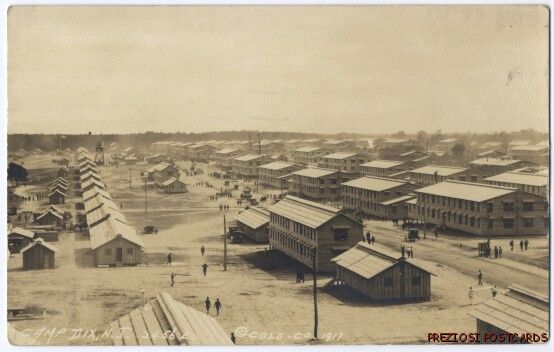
x=260, y=298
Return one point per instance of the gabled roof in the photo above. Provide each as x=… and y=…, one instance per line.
x=315, y=172
x=111, y=229
x=39, y=241
x=383, y=164
x=58, y=215
x=85, y=163
x=22, y=232
x=249, y=157
x=373, y=183
x=254, y=217
x=276, y=165
x=368, y=261
x=440, y=170
x=399, y=200
x=103, y=213
x=477, y=192
x=494, y=161
x=88, y=168
x=93, y=182
x=162, y=167
x=94, y=203
x=58, y=186
x=56, y=191
x=145, y=326
x=303, y=211
x=170, y=181
x=339, y=155
x=94, y=191
x=88, y=175
x=520, y=178
x=518, y=309
x=308, y=149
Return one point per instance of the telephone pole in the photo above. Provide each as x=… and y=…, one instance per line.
x=145, y=196
x=314, y=272
x=224, y=244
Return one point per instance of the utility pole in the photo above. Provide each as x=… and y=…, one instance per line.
x=145, y=196
x=314, y=272
x=224, y=244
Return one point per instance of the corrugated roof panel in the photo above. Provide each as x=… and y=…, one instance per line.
x=303, y=211
x=254, y=217
x=477, y=192
x=374, y=183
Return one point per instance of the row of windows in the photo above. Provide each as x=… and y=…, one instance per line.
x=108, y=251
x=290, y=243
x=370, y=194
x=362, y=203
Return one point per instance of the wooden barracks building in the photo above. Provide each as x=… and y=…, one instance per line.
x=253, y=222
x=298, y=226
x=369, y=195
x=317, y=184
x=347, y=162
x=270, y=175
x=382, y=275
x=482, y=209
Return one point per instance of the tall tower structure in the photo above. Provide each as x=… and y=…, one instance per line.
x=99, y=157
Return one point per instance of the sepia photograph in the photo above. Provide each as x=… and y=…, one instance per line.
x=308, y=175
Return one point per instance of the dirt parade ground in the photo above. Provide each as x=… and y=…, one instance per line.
x=261, y=302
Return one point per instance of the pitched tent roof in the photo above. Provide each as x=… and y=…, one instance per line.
x=383, y=164
x=146, y=326
x=39, y=241
x=315, y=172
x=61, y=180
x=254, y=217
x=22, y=232
x=517, y=310
x=439, y=169
x=96, y=191
x=368, y=261
x=373, y=183
x=59, y=187
x=303, y=211
x=111, y=229
x=477, y=192
x=86, y=163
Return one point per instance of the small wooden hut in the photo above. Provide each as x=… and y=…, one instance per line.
x=39, y=255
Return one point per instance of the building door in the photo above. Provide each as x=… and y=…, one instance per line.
x=119, y=254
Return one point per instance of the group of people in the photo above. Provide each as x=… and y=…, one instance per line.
x=409, y=252
x=223, y=207
x=497, y=252
x=27, y=198
x=217, y=305
x=522, y=245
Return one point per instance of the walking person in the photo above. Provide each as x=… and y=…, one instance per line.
x=493, y=291
x=521, y=245
x=470, y=295
x=217, y=305
x=233, y=338
x=373, y=239
x=403, y=250
x=172, y=279
x=411, y=252
x=208, y=304
x=202, y=250
x=169, y=259
x=495, y=252
x=205, y=268
x=499, y=252
x=526, y=243
x=480, y=278
x=368, y=237
x=512, y=245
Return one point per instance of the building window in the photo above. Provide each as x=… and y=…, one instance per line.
x=341, y=234
x=130, y=250
x=491, y=224
x=490, y=207
x=508, y=206
x=388, y=282
x=508, y=223
x=108, y=251
x=527, y=222
x=416, y=280
x=527, y=206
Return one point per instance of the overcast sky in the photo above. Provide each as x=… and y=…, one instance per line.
x=307, y=69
